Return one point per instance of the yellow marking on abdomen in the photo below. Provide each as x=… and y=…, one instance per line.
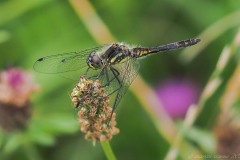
x=144, y=52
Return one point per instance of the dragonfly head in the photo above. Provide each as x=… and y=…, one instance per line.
x=94, y=61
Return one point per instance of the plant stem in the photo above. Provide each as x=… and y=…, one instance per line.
x=108, y=151
x=89, y=17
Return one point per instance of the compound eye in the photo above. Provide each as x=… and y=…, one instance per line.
x=95, y=59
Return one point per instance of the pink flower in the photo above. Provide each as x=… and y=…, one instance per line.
x=176, y=96
x=16, y=87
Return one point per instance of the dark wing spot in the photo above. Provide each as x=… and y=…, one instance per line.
x=40, y=59
x=64, y=60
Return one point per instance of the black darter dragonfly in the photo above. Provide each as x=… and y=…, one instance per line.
x=115, y=65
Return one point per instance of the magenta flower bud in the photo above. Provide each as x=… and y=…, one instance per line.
x=176, y=96
x=15, y=78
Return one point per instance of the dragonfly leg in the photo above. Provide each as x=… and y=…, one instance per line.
x=78, y=104
x=116, y=75
x=101, y=73
x=113, y=92
x=108, y=83
x=95, y=76
x=110, y=80
x=107, y=77
x=115, y=104
x=113, y=70
x=87, y=71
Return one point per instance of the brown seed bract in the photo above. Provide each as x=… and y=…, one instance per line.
x=95, y=111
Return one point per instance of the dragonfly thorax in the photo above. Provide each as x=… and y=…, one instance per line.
x=94, y=61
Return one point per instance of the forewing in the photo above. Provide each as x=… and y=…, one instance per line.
x=65, y=62
x=75, y=74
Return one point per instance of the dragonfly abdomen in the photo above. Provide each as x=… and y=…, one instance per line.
x=140, y=52
x=176, y=45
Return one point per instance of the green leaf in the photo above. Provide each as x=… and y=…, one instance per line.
x=202, y=138
x=42, y=138
x=60, y=123
x=13, y=9
x=13, y=143
x=4, y=36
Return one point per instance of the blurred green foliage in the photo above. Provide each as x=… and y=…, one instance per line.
x=33, y=29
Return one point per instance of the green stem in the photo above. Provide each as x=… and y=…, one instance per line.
x=108, y=151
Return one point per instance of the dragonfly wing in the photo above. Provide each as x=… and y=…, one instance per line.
x=75, y=74
x=65, y=62
x=128, y=72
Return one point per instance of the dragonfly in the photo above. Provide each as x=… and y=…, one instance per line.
x=116, y=65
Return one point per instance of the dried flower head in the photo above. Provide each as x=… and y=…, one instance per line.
x=227, y=134
x=94, y=110
x=228, y=140
x=13, y=118
x=16, y=87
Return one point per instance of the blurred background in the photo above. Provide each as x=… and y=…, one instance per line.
x=206, y=75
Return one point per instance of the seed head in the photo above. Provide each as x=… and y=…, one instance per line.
x=94, y=110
